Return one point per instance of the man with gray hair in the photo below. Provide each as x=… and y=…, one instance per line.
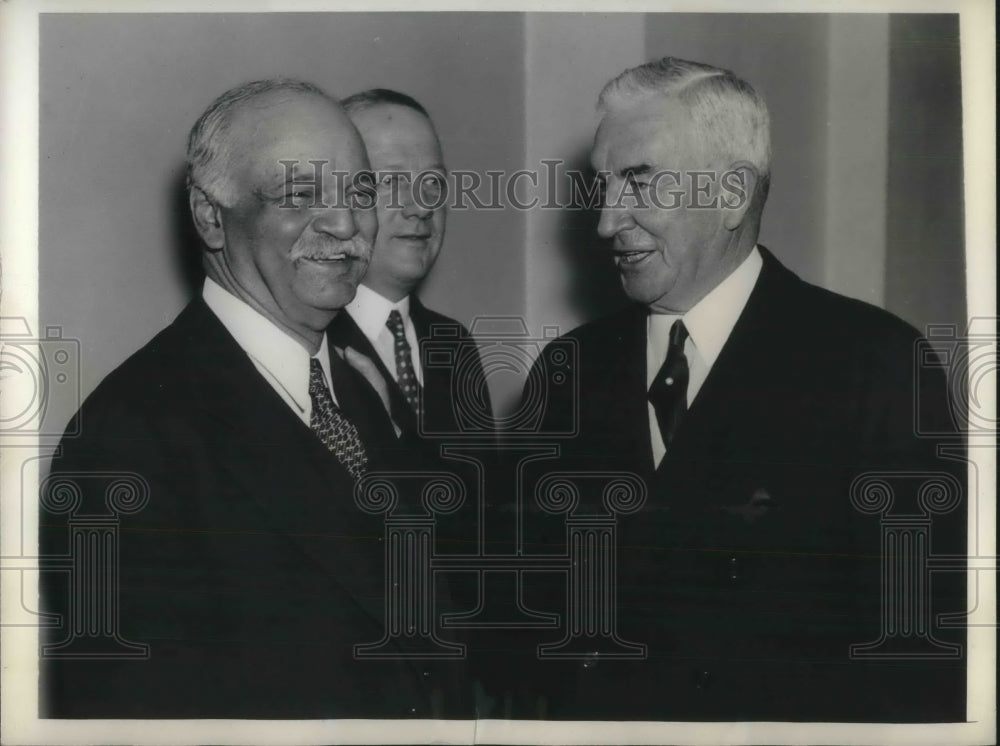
x=250, y=573
x=749, y=402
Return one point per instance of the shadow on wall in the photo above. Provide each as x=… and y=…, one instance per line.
x=186, y=243
x=594, y=289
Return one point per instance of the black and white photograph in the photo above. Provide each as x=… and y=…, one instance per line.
x=506, y=376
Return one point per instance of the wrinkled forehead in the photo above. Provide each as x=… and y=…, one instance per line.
x=295, y=127
x=656, y=131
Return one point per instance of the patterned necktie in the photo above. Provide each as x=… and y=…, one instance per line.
x=668, y=392
x=331, y=425
x=406, y=376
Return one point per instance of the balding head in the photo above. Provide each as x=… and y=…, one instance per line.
x=405, y=154
x=211, y=146
x=272, y=167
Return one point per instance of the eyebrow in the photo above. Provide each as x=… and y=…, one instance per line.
x=637, y=170
x=278, y=185
x=296, y=176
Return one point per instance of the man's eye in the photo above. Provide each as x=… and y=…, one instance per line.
x=360, y=199
x=363, y=180
x=299, y=197
x=432, y=185
x=393, y=180
x=295, y=198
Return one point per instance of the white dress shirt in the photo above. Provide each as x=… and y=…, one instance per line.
x=709, y=324
x=370, y=311
x=280, y=358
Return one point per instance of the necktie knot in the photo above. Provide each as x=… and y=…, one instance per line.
x=316, y=379
x=678, y=335
x=395, y=325
x=331, y=425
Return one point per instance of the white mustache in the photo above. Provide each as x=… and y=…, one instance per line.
x=356, y=248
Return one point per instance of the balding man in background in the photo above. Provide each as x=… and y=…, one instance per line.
x=389, y=324
x=386, y=320
x=748, y=401
x=251, y=574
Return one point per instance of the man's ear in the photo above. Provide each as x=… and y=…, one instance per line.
x=738, y=187
x=207, y=218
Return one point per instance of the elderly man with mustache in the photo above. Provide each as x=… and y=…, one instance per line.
x=250, y=574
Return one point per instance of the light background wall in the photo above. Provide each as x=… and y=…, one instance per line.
x=866, y=185
x=120, y=92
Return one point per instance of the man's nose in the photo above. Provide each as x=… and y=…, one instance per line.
x=414, y=205
x=614, y=219
x=336, y=221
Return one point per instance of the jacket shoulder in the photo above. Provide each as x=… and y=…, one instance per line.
x=429, y=322
x=149, y=379
x=828, y=317
x=858, y=313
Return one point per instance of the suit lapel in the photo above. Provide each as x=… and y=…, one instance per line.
x=421, y=319
x=627, y=375
x=637, y=345
x=345, y=332
x=300, y=488
x=437, y=379
x=731, y=391
x=361, y=405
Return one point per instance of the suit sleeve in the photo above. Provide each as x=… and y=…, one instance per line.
x=909, y=441
x=122, y=470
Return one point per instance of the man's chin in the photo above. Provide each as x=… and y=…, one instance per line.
x=646, y=293
x=409, y=270
x=405, y=252
x=330, y=297
x=638, y=291
x=337, y=299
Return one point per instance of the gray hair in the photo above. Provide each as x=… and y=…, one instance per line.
x=210, y=148
x=726, y=108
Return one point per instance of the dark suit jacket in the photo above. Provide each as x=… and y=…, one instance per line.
x=439, y=380
x=250, y=573
x=748, y=573
x=444, y=424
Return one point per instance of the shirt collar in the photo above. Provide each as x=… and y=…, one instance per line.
x=268, y=345
x=371, y=310
x=711, y=320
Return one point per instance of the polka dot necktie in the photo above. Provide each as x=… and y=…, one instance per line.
x=332, y=426
x=668, y=392
x=406, y=376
